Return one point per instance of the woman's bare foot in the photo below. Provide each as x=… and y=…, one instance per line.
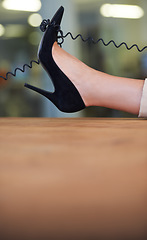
x=78, y=72
x=98, y=88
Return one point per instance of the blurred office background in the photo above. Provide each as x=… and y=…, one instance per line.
x=20, y=36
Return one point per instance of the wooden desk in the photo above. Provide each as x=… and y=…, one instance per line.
x=73, y=178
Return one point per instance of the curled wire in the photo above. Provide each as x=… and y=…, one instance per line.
x=90, y=39
x=43, y=26
x=19, y=69
x=61, y=37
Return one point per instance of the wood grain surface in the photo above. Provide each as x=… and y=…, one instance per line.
x=73, y=178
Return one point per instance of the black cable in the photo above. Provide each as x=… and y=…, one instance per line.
x=43, y=27
x=90, y=39
x=22, y=70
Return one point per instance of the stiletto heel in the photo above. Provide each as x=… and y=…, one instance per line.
x=51, y=96
x=66, y=96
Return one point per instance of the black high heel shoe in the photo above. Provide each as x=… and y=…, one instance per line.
x=66, y=96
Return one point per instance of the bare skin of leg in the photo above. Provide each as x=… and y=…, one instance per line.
x=97, y=88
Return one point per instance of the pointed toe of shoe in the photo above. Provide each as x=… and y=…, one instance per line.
x=57, y=18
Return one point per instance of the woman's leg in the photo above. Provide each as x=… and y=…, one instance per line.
x=97, y=88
